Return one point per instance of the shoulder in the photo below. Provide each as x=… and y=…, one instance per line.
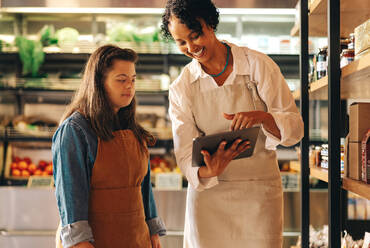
x=260, y=60
x=181, y=85
x=75, y=126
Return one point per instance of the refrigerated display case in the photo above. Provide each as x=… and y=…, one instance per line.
x=28, y=217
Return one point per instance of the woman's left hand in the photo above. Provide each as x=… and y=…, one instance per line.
x=243, y=120
x=156, y=243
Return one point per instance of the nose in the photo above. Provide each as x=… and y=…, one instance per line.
x=192, y=47
x=130, y=84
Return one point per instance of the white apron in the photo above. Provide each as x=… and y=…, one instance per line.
x=246, y=208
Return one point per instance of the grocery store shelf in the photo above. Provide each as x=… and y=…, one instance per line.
x=319, y=89
x=355, y=81
x=353, y=13
x=286, y=154
x=295, y=165
x=295, y=30
x=296, y=94
x=319, y=173
x=357, y=187
x=354, y=186
x=149, y=63
x=291, y=234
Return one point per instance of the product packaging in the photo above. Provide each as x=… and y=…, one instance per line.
x=365, y=148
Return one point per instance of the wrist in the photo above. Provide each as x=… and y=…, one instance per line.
x=203, y=172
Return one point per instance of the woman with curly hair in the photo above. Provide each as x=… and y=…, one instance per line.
x=230, y=203
x=101, y=161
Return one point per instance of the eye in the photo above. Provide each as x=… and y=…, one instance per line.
x=133, y=80
x=181, y=43
x=195, y=36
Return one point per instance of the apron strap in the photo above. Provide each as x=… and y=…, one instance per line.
x=193, y=89
x=258, y=103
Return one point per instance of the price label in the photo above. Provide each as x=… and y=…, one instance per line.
x=40, y=181
x=169, y=181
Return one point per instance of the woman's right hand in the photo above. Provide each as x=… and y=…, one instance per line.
x=83, y=245
x=217, y=162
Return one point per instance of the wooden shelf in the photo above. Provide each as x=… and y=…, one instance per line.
x=355, y=81
x=353, y=13
x=296, y=94
x=354, y=186
x=319, y=173
x=295, y=30
x=357, y=187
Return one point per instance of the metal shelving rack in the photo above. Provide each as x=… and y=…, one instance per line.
x=351, y=81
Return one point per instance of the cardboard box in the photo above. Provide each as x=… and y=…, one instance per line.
x=359, y=121
x=365, y=157
x=354, y=161
x=362, y=37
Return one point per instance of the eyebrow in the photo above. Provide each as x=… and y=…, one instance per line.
x=191, y=33
x=123, y=74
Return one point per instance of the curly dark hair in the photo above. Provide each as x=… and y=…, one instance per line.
x=189, y=12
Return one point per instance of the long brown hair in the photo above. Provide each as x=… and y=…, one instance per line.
x=92, y=101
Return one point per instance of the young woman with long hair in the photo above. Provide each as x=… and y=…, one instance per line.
x=101, y=160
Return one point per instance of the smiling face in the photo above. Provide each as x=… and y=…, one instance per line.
x=119, y=83
x=200, y=46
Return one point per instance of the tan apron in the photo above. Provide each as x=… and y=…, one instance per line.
x=246, y=208
x=116, y=212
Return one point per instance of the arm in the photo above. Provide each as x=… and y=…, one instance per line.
x=281, y=107
x=184, y=130
x=155, y=224
x=72, y=183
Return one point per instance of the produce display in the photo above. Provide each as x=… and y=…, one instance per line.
x=24, y=167
x=34, y=125
x=163, y=164
x=31, y=55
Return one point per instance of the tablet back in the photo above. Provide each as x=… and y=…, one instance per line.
x=211, y=143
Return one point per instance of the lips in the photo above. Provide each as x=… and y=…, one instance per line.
x=199, y=53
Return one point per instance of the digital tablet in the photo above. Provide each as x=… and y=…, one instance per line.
x=210, y=143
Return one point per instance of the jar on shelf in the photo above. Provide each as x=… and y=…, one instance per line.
x=351, y=44
x=324, y=163
x=346, y=57
x=321, y=62
x=318, y=156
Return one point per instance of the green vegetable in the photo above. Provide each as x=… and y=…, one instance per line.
x=121, y=32
x=47, y=35
x=31, y=55
x=66, y=36
x=146, y=34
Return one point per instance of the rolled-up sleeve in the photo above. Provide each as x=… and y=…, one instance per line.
x=280, y=103
x=184, y=130
x=72, y=183
x=155, y=224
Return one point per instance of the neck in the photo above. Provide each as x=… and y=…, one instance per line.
x=217, y=62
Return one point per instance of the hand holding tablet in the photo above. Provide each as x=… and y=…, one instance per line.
x=233, y=144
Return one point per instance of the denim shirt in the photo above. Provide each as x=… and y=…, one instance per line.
x=74, y=150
